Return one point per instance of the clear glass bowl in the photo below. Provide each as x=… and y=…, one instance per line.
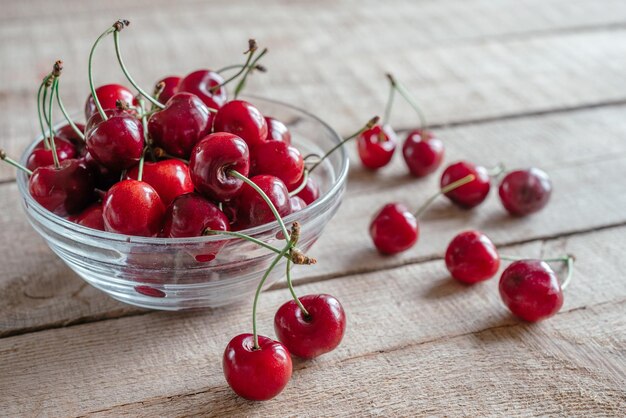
x=165, y=274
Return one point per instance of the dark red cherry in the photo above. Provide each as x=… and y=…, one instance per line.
x=242, y=119
x=310, y=336
x=178, y=128
x=471, y=194
x=66, y=190
x=91, y=217
x=523, y=192
x=311, y=191
x=201, y=83
x=133, y=207
x=278, y=159
x=531, y=290
x=108, y=95
x=104, y=178
x=41, y=157
x=116, y=143
x=277, y=131
x=471, y=257
x=252, y=210
x=297, y=204
x=376, y=146
x=67, y=132
x=394, y=229
x=170, y=178
x=211, y=160
x=423, y=153
x=170, y=88
x=257, y=374
x=190, y=215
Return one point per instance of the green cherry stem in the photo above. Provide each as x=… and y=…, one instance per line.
x=257, y=67
x=303, y=180
x=409, y=99
x=452, y=186
x=53, y=146
x=293, y=292
x=389, y=105
x=4, y=157
x=242, y=236
x=62, y=107
x=252, y=48
x=90, y=71
x=43, y=87
x=570, y=271
x=248, y=69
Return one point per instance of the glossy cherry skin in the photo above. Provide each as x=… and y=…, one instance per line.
x=170, y=87
x=310, y=192
x=252, y=209
x=211, y=160
x=190, y=215
x=297, y=204
x=394, y=229
x=108, y=95
x=41, y=157
x=67, y=132
x=523, y=192
x=133, y=207
x=178, y=128
x=311, y=336
x=116, y=143
x=531, y=290
x=376, y=146
x=256, y=374
x=277, y=131
x=104, y=177
x=278, y=159
x=201, y=83
x=422, y=152
x=170, y=178
x=243, y=119
x=90, y=217
x=471, y=257
x=471, y=194
x=66, y=190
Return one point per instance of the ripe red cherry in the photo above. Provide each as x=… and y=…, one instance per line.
x=41, y=157
x=108, y=95
x=311, y=191
x=277, y=131
x=471, y=257
x=471, y=194
x=531, y=290
x=104, y=178
x=278, y=159
x=256, y=374
x=201, y=83
x=211, y=160
x=523, y=192
x=394, y=229
x=133, y=207
x=242, y=119
x=67, y=132
x=170, y=88
x=65, y=190
x=190, y=215
x=252, y=210
x=297, y=204
x=170, y=178
x=310, y=336
x=376, y=146
x=423, y=153
x=90, y=217
x=116, y=143
x=178, y=128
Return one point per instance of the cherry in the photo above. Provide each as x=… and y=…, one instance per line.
x=394, y=229
x=523, y=192
x=133, y=207
x=277, y=131
x=471, y=194
x=297, y=204
x=41, y=157
x=67, y=132
x=471, y=257
x=256, y=373
x=313, y=334
x=423, y=153
x=190, y=215
x=278, y=159
x=170, y=178
x=90, y=217
x=108, y=95
x=310, y=192
x=201, y=83
x=243, y=119
x=376, y=146
x=177, y=128
x=211, y=160
x=104, y=178
x=170, y=88
x=252, y=210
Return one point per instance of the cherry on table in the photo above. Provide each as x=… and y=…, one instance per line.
x=170, y=87
x=252, y=210
x=523, y=192
x=278, y=159
x=471, y=257
x=422, y=152
x=394, y=229
x=471, y=194
x=170, y=178
x=90, y=217
x=277, y=131
x=41, y=157
x=202, y=83
x=376, y=146
x=108, y=95
x=242, y=119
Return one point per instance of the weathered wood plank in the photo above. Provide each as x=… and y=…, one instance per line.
x=413, y=317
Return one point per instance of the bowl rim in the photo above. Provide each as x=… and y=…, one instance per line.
x=341, y=176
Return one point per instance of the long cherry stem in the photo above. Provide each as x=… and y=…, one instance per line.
x=4, y=157
x=53, y=146
x=69, y=120
x=242, y=82
x=570, y=271
x=90, y=71
x=252, y=48
x=409, y=99
x=242, y=236
x=452, y=186
x=40, y=105
x=293, y=292
x=389, y=105
x=303, y=180
x=257, y=67
x=144, y=123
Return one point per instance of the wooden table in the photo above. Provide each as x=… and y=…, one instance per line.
x=534, y=83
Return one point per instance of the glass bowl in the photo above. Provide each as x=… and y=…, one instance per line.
x=175, y=273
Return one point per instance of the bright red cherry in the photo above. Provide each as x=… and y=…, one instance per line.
x=252, y=210
x=531, y=290
x=201, y=83
x=116, y=143
x=211, y=160
x=471, y=257
x=178, y=128
x=108, y=95
x=310, y=336
x=523, y=192
x=133, y=207
x=242, y=119
x=257, y=374
x=91, y=217
x=423, y=153
x=67, y=132
x=170, y=178
x=170, y=88
x=277, y=131
x=471, y=194
x=376, y=146
x=394, y=229
x=297, y=204
x=278, y=159
x=190, y=215
x=41, y=157
x=311, y=191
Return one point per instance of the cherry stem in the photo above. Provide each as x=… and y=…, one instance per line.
x=244, y=237
x=570, y=271
x=252, y=47
x=257, y=67
x=4, y=157
x=452, y=186
x=409, y=99
x=248, y=69
x=497, y=170
x=90, y=71
x=293, y=292
x=305, y=178
x=367, y=126
x=53, y=146
x=144, y=123
x=43, y=87
x=78, y=132
x=389, y=105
